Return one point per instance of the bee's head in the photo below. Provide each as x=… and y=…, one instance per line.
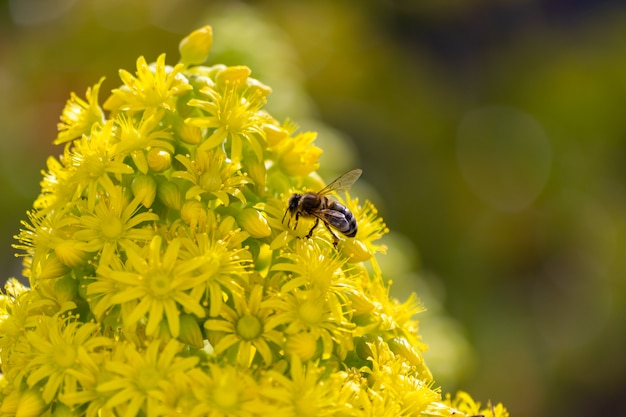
x=293, y=203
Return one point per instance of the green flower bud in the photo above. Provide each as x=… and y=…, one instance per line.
x=258, y=174
x=190, y=134
x=194, y=49
x=400, y=346
x=253, y=222
x=62, y=410
x=169, y=194
x=190, y=331
x=144, y=187
x=66, y=288
x=363, y=345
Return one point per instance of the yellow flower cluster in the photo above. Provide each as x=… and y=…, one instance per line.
x=166, y=281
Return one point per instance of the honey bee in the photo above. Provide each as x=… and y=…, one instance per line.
x=333, y=214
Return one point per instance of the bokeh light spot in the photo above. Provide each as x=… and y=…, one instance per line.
x=33, y=12
x=504, y=155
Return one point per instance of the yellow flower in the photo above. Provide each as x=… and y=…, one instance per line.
x=304, y=392
x=93, y=160
x=211, y=176
x=138, y=138
x=113, y=223
x=463, y=405
x=154, y=286
x=61, y=355
x=312, y=312
x=297, y=156
x=140, y=377
x=79, y=116
x=247, y=329
x=226, y=391
x=153, y=87
x=222, y=260
x=231, y=112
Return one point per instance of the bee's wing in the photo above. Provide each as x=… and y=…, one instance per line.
x=334, y=218
x=344, y=182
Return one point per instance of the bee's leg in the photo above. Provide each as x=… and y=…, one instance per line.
x=335, y=238
x=295, y=226
x=312, y=228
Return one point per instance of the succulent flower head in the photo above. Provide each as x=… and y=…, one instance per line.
x=166, y=280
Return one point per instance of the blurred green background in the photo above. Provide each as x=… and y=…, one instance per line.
x=491, y=134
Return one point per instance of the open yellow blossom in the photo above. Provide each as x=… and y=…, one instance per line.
x=140, y=377
x=231, y=110
x=61, y=358
x=248, y=328
x=79, y=116
x=112, y=223
x=154, y=286
x=154, y=87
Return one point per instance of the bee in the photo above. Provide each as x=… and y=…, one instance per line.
x=333, y=214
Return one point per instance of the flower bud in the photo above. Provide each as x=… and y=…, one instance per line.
x=30, y=404
x=169, y=194
x=304, y=345
x=9, y=403
x=355, y=250
x=190, y=134
x=69, y=252
x=194, y=49
x=159, y=159
x=400, y=346
x=50, y=268
x=359, y=303
x=257, y=87
x=236, y=74
x=66, y=288
x=193, y=213
x=190, y=331
x=363, y=345
x=274, y=134
x=253, y=222
x=144, y=187
x=62, y=410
